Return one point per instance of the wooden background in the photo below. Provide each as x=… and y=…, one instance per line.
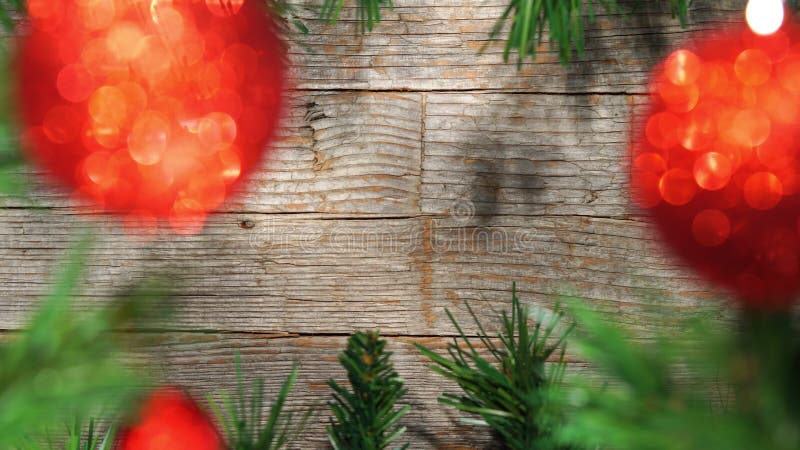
x=413, y=173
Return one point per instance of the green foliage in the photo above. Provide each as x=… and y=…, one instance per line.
x=242, y=419
x=366, y=418
x=513, y=396
x=66, y=363
x=10, y=157
x=76, y=439
x=369, y=12
x=565, y=21
x=680, y=9
x=702, y=386
x=8, y=8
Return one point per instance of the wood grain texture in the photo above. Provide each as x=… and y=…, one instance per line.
x=355, y=153
x=306, y=275
x=436, y=45
x=412, y=173
x=343, y=152
x=549, y=154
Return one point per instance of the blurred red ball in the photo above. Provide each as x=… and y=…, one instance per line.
x=170, y=420
x=715, y=162
x=152, y=109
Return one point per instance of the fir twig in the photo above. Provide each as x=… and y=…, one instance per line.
x=368, y=12
x=512, y=393
x=78, y=438
x=662, y=393
x=366, y=418
x=65, y=362
x=680, y=10
x=564, y=21
x=8, y=9
x=11, y=161
x=242, y=419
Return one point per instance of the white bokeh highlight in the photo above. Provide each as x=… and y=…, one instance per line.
x=764, y=17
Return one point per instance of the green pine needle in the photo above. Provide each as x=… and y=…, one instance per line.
x=680, y=9
x=701, y=386
x=8, y=10
x=78, y=438
x=243, y=420
x=368, y=12
x=564, y=21
x=11, y=160
x=512, y=393
x=67, y=363
x=366, y=418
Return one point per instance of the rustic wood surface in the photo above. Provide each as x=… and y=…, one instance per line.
x=413, y=173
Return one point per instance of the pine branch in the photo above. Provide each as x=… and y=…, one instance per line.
x=8, y=10
x=11, y=161
x=243, y=421
x=680, y=10
x=564, y=21
x=512, y=393
x=66, y=363
x=368, y=11
x=701, y=386
x=78, y=438
x=366, y=418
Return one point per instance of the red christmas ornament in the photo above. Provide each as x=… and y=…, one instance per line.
x=150, y=108
x=170, y=420
x=716, y=160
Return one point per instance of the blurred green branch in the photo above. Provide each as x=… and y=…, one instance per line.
x=65, y=363
x=702, y=386
x=11, y=161
x=8, y=9
x=511, y=393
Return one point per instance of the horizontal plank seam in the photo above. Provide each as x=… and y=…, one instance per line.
x=336, y=216
x=467, y=91
x=264, y=334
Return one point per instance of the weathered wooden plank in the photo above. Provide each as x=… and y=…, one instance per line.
x=359, y=154
x=526, y=154
x=435, y=45
x=339, y=152
x=344, y=152
x=614, y=265
x=294, y=274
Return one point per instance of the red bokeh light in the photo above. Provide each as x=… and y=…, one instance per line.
x=682, y=68
x=753, y=67
x=716, y=161
x=170, y=420
x=712, y=171
x=711, y=227
x=153, y=110
x=677, y=187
